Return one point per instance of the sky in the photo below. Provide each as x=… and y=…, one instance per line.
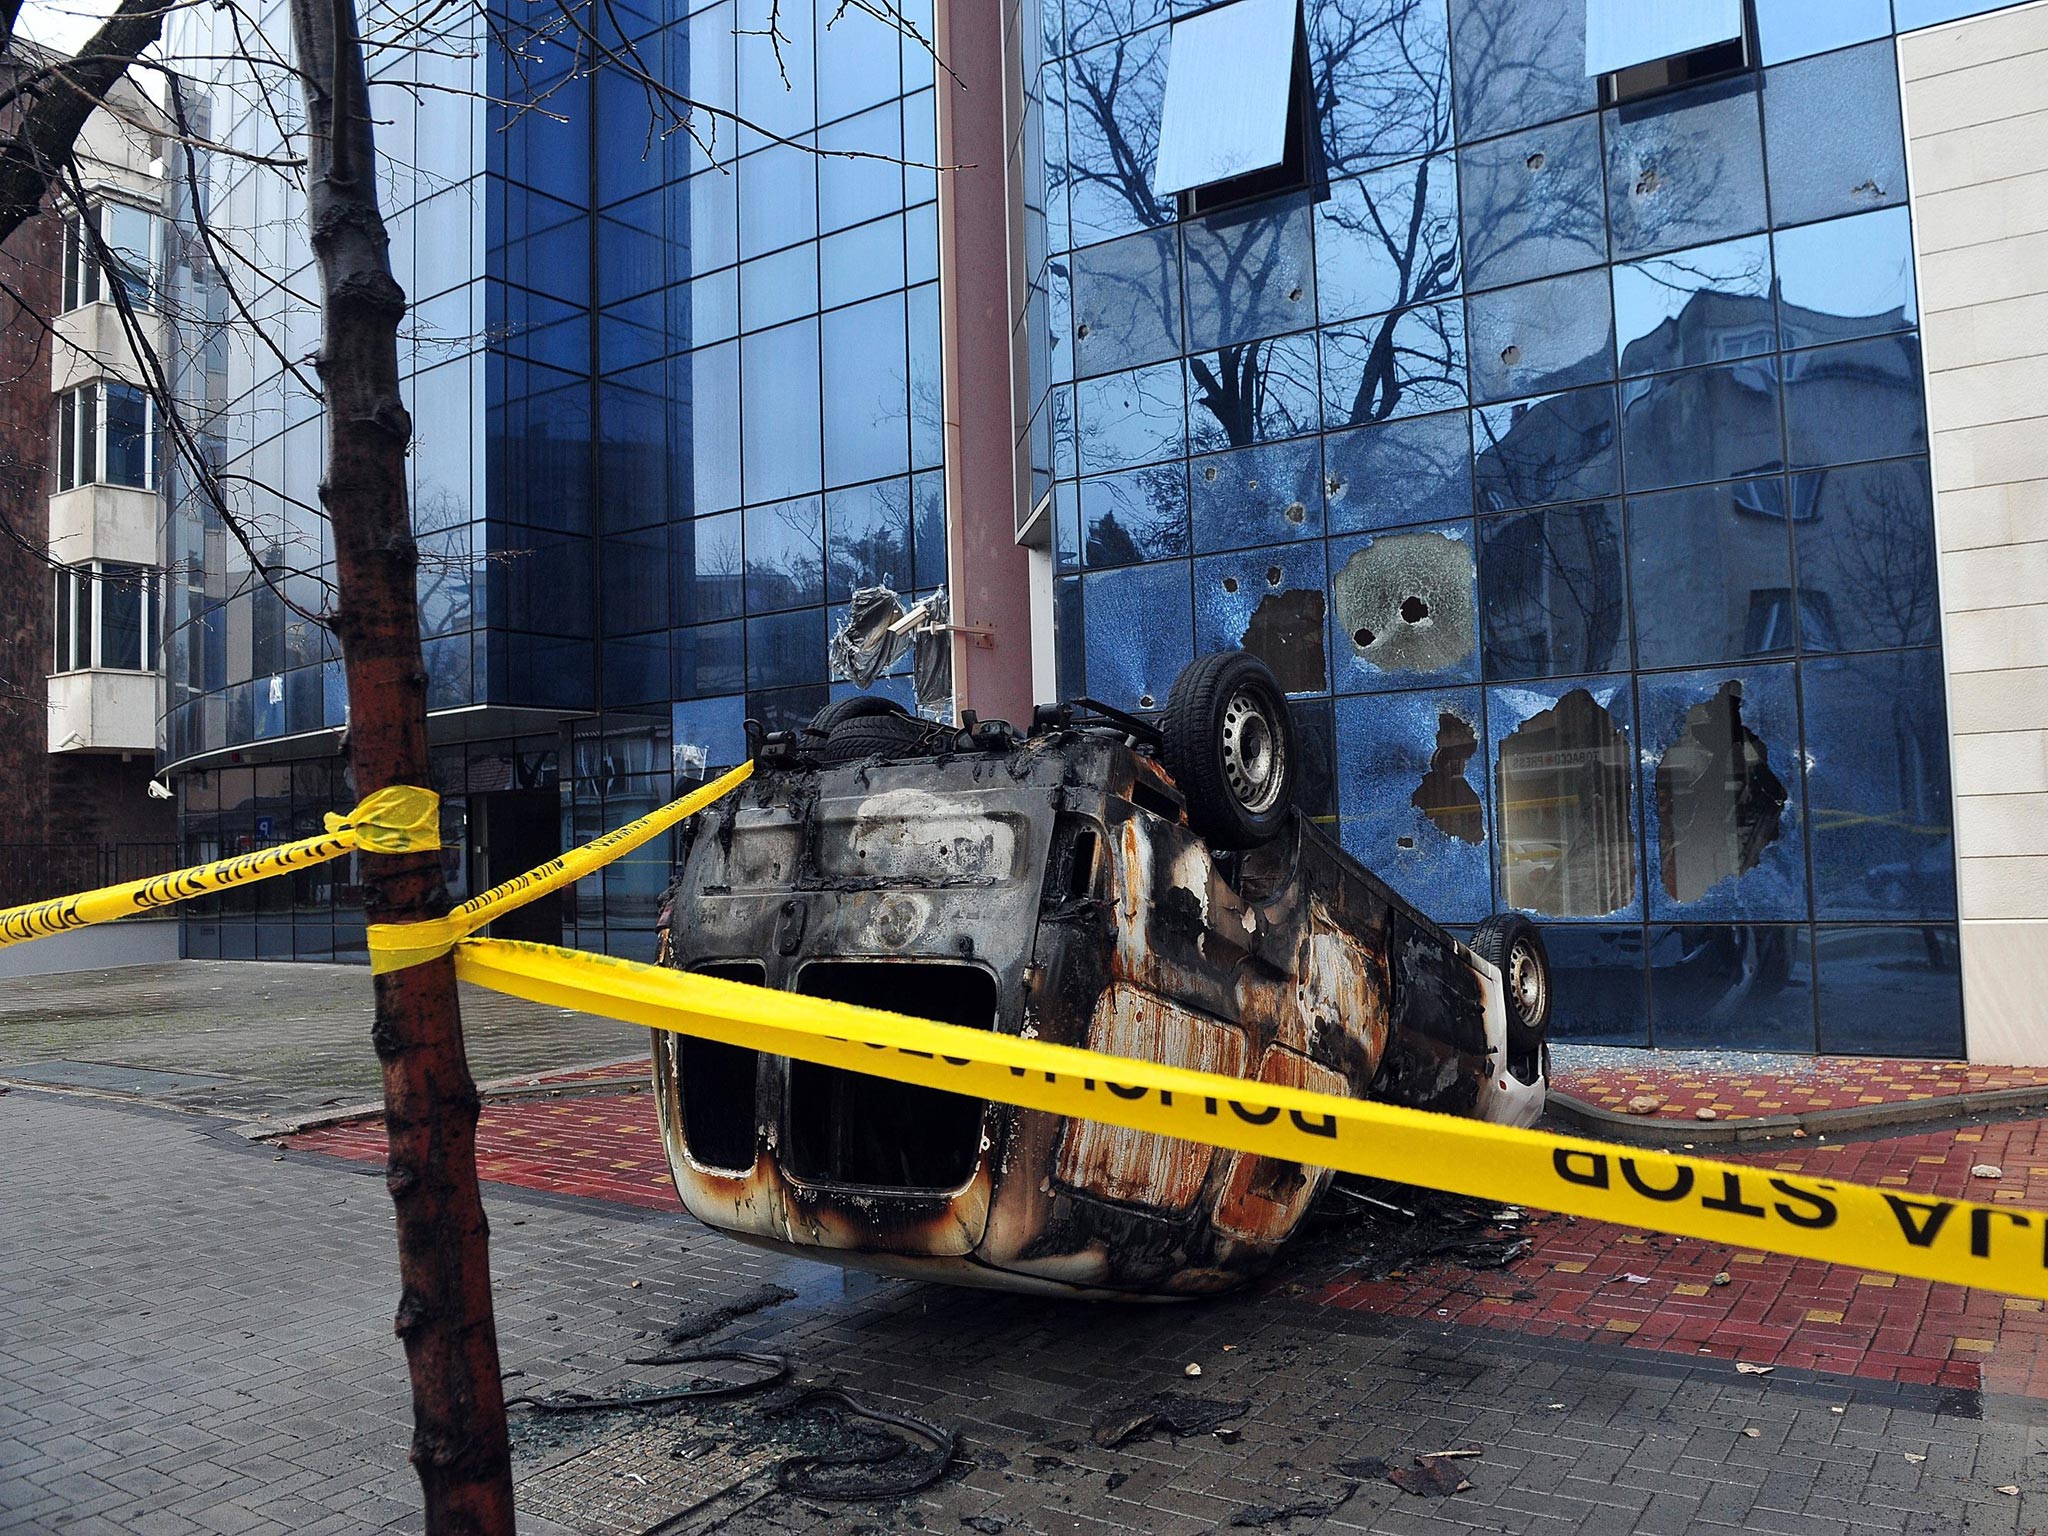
x=61, y=24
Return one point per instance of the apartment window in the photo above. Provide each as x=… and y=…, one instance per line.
x=106, y=435
x=1235, y=124
x=1638, y=48
x=106, y=616
x=130, y=236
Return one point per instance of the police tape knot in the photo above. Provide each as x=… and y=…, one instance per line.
x=401, y=818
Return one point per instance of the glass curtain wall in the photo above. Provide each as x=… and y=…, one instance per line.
x=1568, y=464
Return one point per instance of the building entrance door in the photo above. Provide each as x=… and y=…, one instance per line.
x=515, y=830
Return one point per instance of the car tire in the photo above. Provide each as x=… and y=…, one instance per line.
x=891, y=735
x=856, y=706
x=1514, y=947
x=1229, y=744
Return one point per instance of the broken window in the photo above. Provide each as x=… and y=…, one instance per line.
x=1568, y=844
x=1405, y=602
x=1444, y=796
x=1414, y=806
x=1270, y=602
x=1719, y=805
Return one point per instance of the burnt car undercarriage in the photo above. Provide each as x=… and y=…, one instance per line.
x=1140, y=889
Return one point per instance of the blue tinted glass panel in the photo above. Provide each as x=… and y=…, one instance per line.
x=867, y=400
x=1140, y=632
x=1227, y=74
x=635, y=670
x=1066, y=524
x=928, y=529
x=927, y=399
x=1703, y=424
x=709, y=569
x=1272, y=602
x=779, y=411
x=1533, y=204
x=779, y=287
x=1598, y=984
x=1721, y=794
x=1257, y=495
x=708, y=735
x=708, y=659
x=1252, y=392
x=860, y=263
x=786, y=648
x=1714, y=987
x=778, y=198
x=777, y=76
x=704, y=394
x=1417, y=470
x=1249, y=273
x=1142, y=515
x=1381, y=76
x=1554, y=591
x=859, y=177
x=1127, y=302
x=1846, y=277
x=1070, y=637
x=1131, y=418
x=1519, y=61
x=1092, y=22
x=1541, y=337
x=1388, y=239
x=1411, y=798
x=1693, y=307
x=1890, y=991
x=1792, y=29
x=1564, y=798
x=1558, y=448
x=1877, y=787
x=1866, y=557
x=1065, y=463
x=1116, y=92
x=1711, y=574
x=867, y=538
x=1405, y=609
x=1860, y=401
x=1687, y=169
x=1836, y=145
x=1404, y=364
x=1621, y=33
x=706, y=310
x=860, y=61
x=785, y=545
x=707, y=221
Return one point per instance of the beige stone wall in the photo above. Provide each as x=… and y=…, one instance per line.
x=1976, y=110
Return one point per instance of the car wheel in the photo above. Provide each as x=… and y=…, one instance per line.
x=1230, y=747
x=1515, y=949
x=875, y=736
x=857, y=706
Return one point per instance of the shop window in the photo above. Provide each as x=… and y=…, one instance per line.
x=129, y=260
x=1636, y=49
x=105, y=617
x=1235, y=122
x=106, y=435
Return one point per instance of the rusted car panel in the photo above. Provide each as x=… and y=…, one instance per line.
x=1048, y=887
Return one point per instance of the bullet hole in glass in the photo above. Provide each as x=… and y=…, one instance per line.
x=1719, y=805
x=1081, y=331
x=1145, y=701
x=1451, y=804
x=1209, y=473
x=1296, y=513
x=1650, y=180
x=1536, y=161
x=1414, y=610
x=1362, y=638
x=1294, y=294
x=1511, y=354
x=1561, y=798
x=1274, y=576
x=1230, y=583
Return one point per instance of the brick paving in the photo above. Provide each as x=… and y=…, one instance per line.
x=197, y=1339
x=1781, y=1087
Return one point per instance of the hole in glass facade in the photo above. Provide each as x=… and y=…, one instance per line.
x=1718, y=802
x=1567, y=835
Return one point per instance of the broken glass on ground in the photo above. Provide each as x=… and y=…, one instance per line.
x=1568, y=845
x=1719, y=805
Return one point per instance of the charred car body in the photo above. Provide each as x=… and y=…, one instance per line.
x=1099, y=881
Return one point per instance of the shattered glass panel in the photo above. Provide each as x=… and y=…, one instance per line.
x=1405, y=609
x=1877, y=787
x=1792, y=29
x=1403, y=364
x=1686, y=169
x=1257, y=495
x=867, y=538
x=1867, y=557
x=1710, y=570
x=1140, y=629
x=1128, y=518
x=1250, y=273
x=1700, y=425
x=1598, y=985
x=1691, y=307
x=1252, y=392
x=1520, y=61
x=1127, y=302
x=1316, y=790
x=1555, y=591
x=1534, y=204
x=1125, y=419
x=1731, y=988
x=1418, y=470
x=1388, y=239
x=1114, y=94
x=1541, y=337
x=1380, y=78
x=1412, y=798
x=1272, y=602
x=1845, y=278
x=1859, y=401
x=1564, y=799
x=1558, y=448
x=1836, y=143
x=785, y=545
x=1894, y=991
x=1720, y=794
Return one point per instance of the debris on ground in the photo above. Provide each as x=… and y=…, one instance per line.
x=695, y=1324
x=1384, y=1230
x=1724, y=1278
x=1371, y=1469
x=1192, y=1370
x=1228, y=1435
x=1705, y=1114
x=1172, y=1413
x=1434, y=1476
x=1744, y=1368
x=1987, y=1171
x=1646, y=1103
x=1254, y=1516
x=986, y=1524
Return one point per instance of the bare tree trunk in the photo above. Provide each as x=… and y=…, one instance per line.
x=459, y=1444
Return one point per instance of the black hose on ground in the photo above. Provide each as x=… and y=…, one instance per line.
x=797, y=1474
x=777, y=1366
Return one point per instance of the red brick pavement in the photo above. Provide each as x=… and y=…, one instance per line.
x=1829, y=1082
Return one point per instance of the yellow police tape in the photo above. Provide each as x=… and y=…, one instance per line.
x=400, y=819
x=1955, y=1241
x=394, y=946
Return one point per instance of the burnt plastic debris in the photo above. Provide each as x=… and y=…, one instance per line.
x=1178, y=1414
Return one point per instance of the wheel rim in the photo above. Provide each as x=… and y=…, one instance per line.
x=1254, y=753
x=1527, y=983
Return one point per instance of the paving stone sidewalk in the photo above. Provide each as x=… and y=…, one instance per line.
x=195, y=1337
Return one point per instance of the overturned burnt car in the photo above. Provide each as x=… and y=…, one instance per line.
x=1140, y=887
